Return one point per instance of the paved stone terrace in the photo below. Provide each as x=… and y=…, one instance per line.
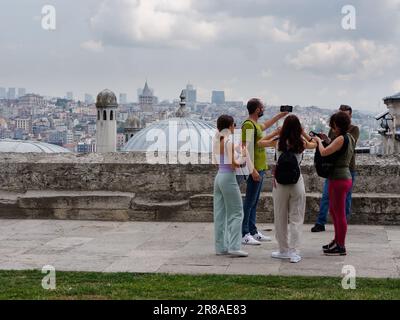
x=184, y=248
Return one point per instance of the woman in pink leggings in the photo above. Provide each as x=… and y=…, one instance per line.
x=340, y=181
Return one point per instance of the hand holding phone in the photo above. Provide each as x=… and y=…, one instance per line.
x=321, y=135
x=286, y=108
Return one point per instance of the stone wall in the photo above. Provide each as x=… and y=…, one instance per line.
x=123, y=186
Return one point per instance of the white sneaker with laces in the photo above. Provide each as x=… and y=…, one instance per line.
x=281, y=255
x=238, y=254
x=249, y=240
x=294, y=258
x=260, y=237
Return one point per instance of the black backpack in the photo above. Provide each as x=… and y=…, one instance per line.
x=326, y=165
x=287, y=170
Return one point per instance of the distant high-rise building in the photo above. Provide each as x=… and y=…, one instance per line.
x=123, y=98
x=3, y=93
x=11, y=93
x=88, y=98
x=70, y=95
x=191, y=94
x=218, y=97
x=21, y=92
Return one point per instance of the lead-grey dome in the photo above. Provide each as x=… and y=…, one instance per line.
x=106, y=99
x=25, y=146
x=197, y=138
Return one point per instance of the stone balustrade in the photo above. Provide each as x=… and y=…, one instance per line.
x=123, y=186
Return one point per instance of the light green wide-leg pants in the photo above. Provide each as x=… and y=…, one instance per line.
x=228, y=213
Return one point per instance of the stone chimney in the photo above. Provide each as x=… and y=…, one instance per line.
x=106, y=125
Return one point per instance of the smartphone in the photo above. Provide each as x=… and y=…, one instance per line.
x=322, y=136
x=286, y=108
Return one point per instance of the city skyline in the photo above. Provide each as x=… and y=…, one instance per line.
x=133, y=98
x=280, y=51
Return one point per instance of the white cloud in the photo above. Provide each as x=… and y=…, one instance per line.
x=376, y=58
x=326, y=56
x=152, y=23
x=180, y=23
x=279, y=30
x=92, y=45
x=345, y=59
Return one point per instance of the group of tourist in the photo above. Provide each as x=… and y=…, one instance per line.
x=235, y=220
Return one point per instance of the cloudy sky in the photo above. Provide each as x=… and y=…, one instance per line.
x=284, y=51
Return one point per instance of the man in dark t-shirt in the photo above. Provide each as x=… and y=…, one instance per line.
x=324, y=205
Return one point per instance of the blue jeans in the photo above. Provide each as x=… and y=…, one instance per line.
x=253, y=192
x=324, y=206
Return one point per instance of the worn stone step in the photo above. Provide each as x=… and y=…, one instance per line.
x=75, y=199
x=88, y=205
x=368, y=208
x=144, y=204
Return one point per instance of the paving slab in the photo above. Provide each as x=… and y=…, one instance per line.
x=188, y=248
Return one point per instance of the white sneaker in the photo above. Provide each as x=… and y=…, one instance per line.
x=223, y=253
x=281, y=255
x=238, y=254
x=295, y=251
x=249, y=240
x=260, y=237
x=294, y=258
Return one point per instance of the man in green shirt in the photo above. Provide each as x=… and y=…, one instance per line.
x=252, y=132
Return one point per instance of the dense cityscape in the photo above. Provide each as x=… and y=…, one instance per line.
x=71, y=123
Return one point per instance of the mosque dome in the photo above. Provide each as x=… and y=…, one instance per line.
x=25, y=146
x=106, y=99
x=173, y=135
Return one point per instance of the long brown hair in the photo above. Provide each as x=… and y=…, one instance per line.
x=290, y=137
x=341, y=121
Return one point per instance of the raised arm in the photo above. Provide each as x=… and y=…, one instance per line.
x=270, y=140
x=267, y=143
x=269, y=123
